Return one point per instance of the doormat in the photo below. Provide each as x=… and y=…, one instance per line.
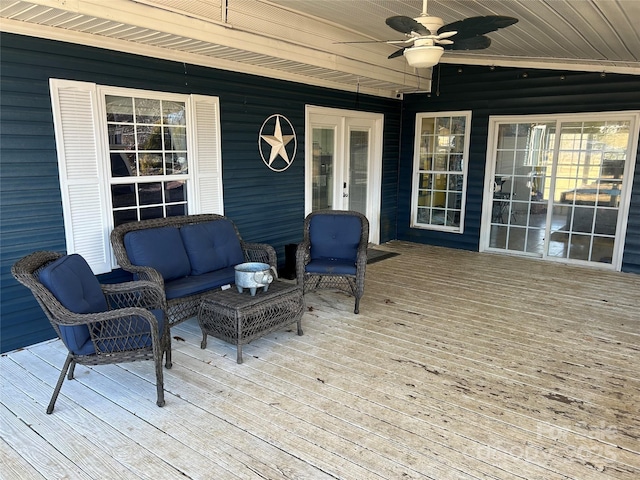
x=374, y=255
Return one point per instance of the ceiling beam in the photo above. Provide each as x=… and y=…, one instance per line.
x=126, y=12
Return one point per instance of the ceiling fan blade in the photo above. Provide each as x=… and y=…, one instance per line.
x=397, y=53
x=444, y=42
x=473, y=26
x=478, y=42
x=406, y=25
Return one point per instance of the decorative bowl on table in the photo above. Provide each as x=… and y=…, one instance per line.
x=253, y=275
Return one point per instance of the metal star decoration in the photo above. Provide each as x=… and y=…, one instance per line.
x=278, y=142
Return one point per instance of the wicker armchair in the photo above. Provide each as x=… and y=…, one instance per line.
x=99, y=324
x=333, y=253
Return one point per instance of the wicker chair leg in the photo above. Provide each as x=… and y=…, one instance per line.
x=159, y=382
x=167, y=357
x=72, y=370
x=160, y=388
x=357, y=308
x=167, y=351
x=63, y=373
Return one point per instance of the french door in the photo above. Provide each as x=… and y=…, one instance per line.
x=559, y=187
x=343, y=163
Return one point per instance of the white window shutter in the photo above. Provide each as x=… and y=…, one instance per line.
x=208, y=194
x=78, y=144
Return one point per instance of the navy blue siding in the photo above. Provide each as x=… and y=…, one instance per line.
x=267, y=206
x=506, y=91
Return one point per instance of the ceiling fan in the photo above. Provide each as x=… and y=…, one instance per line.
x=428, y=37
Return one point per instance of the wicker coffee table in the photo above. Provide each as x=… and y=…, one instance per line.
x=238, y=318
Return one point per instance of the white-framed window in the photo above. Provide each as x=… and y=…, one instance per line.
x=440, y=170
x=127, y=155
x=148, y=157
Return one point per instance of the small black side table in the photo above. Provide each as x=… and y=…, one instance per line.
x=238, y=318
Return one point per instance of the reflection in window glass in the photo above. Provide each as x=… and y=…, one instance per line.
x=557, y=186
x=440, y=170
x=148, y=154
x=322, y=165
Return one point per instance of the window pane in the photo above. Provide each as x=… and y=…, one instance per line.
x=426, y=162
x=121, y=136
x=152, y=212
x=151, y=164
x=124, y=216
x=428, y=126
x=455, y=163
x=149, y=138
x=176, y=163
x=123, y=196
x=123, y=164
x=424, y=199
x=443, y=123
x=175, y=138
x=119, y=109
x=173, y=113
x=175, y=192
x=150, y=193
x=147, y=111
x=322, y=166
x=176, y=210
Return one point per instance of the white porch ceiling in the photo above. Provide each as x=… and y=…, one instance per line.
x=298, y=40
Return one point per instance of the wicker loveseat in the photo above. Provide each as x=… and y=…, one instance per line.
x=188, y=256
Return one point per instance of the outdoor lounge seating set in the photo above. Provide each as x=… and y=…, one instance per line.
x=183, y=267
x=188, y=256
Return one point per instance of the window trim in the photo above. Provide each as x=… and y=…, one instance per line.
x=80, y=127
x=416, y=170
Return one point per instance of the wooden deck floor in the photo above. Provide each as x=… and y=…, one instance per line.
x=460, y=365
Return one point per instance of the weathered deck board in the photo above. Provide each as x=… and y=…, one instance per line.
x=459, y=366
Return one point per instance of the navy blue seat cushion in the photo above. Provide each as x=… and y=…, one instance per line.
x=211, y=246
x=194, y=284
x=331, y=266
x=159, y=248
x=335, y=237
x=74, y=285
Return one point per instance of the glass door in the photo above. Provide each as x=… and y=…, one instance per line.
x=322, y=167
x=520, y=186
x=558, y=188
x=588, y=186
x=343, y=163
x=356, y=185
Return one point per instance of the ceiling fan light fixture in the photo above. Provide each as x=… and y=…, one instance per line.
x=423, y=56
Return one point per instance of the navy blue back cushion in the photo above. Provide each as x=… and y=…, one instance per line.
x=334, y=237
x=159, y=248
x=211, y=246
x=74, y=285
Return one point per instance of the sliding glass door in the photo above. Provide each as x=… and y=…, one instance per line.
x=559, y=187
